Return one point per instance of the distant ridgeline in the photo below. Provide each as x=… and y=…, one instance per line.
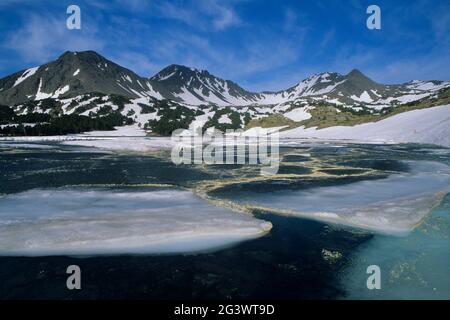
x=83, y=91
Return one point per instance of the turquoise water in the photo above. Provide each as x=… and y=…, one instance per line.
x=415, y=266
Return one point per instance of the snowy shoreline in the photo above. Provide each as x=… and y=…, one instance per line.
x=427, y=126
x=430, y=126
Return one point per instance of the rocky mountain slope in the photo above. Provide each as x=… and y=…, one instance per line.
x=72, y=74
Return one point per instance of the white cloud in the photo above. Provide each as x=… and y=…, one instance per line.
x=42, y=35
x=201, y=14
x=171, y=11
x=222, y=16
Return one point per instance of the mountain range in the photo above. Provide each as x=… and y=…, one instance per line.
x=75, y=73
x=87, y=83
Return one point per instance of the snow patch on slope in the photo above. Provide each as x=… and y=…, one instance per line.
x=364, y=97
x=41, y=95
x=28, y=73
x=225, y=119
x=298, y=114
x=61, y=91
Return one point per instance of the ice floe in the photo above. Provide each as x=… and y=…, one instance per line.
x=105, y=221
x=124, y=143
x=396, y=204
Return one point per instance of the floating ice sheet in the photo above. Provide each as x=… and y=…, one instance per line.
x=395, y=204
x=98, y=221
x=133, y=144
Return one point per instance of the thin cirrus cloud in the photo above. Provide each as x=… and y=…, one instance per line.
x=42, y=35
x=201, y=14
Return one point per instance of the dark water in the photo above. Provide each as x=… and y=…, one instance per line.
x=291, y=262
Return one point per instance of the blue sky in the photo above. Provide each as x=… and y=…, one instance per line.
x=260, y=44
